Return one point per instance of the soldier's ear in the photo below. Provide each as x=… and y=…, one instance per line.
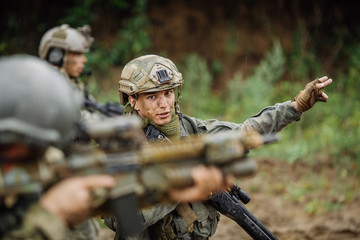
x=132, y=101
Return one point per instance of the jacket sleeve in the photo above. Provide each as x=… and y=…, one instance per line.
x=269, y=120
x=38, y=224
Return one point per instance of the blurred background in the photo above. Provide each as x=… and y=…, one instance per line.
x=236, y=57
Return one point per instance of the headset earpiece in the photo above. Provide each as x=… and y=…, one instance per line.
x=56, y=56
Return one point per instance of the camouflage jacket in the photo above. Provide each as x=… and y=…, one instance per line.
x=158, y=218
x=271, y=119
x=37, y=224
x=26, y=219
x=86, y=114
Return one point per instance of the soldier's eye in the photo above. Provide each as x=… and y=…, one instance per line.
x=169, y=92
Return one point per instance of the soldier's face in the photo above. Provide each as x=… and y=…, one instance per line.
x=75, y=63
x=156, y=106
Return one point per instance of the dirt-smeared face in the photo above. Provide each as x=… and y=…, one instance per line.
x=75, y=63
x=156, y=106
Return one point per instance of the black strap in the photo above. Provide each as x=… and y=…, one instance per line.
x=189, y=124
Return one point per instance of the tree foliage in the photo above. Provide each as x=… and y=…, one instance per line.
x=324, y=41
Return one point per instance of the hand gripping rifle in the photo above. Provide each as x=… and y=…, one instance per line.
x=143, y=171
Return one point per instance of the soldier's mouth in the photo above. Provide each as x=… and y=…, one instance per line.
x=164, y=115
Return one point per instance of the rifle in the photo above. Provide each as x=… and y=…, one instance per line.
x=229, y=204
x=108, y=109
x=144, y=171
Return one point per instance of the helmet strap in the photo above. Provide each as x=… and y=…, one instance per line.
x=177, y=99
x=62, y=67
x=129, y=110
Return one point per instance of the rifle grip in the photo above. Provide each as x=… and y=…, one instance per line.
x=128, y=219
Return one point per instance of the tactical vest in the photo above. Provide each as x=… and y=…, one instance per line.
x=189, y=220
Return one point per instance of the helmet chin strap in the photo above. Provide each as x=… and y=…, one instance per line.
x=62, y=67
x=129, y=110
x=133, y=107
x=177, y=101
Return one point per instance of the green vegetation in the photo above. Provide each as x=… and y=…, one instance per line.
x=197, y=99
x=327, y=133
x=130, y=40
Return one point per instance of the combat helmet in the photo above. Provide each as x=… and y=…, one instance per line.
x=59, y=40
x=37, y=104
x=149, y=73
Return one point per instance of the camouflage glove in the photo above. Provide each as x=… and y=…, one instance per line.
x=309, y=96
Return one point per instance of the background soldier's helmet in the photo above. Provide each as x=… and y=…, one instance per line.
x=149, y=73
x=59, y=40
x=37, y=104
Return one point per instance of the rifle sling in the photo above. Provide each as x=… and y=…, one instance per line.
x=186, y=212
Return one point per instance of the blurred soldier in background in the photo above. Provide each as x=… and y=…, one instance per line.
x=150, y=87
x=64, y=47
x=39, y=110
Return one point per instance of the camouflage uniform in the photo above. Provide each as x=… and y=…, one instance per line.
x=270, y=120
x=37, y=224
x=89, y=229
x=86, y=115
x=30, y=221
x=198, y=221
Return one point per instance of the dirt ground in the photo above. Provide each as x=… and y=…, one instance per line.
x=290, y=219
x=297, y=202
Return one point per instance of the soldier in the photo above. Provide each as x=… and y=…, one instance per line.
x=64, y=48
x=39, y=109
x=150, y=87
